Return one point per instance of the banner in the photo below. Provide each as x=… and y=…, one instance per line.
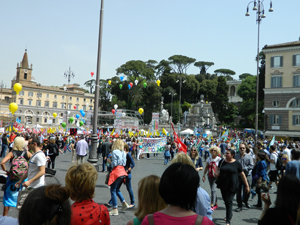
x=152, y=145
x=181, y=147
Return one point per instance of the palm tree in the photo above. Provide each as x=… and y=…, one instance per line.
x=90, y=84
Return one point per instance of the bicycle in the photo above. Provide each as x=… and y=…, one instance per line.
x=50, y=177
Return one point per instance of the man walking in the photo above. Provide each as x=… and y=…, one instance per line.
x=36, y=170
x=105, y=152
x=247, y=165
x=273, y=173
x=81, y=148
x=293, y=167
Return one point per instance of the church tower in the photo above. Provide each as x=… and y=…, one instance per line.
x=24, y=73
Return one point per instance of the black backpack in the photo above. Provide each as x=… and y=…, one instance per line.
x=279, y=163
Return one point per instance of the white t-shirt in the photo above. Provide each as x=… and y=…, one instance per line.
x=216, y=160
x=287, y=152
x=38, y=159
x=273, y=156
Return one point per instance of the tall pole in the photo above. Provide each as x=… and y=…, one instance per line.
x=257, y=74
x=68, y=74
x=93, y=153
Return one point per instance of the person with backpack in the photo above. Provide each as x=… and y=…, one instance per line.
x=212, y=164
x=52, y=152
x=19, y=166
x=273, y=173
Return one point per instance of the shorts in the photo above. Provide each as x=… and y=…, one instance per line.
x=273, y=175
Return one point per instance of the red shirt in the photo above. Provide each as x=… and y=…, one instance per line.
x=89, y=212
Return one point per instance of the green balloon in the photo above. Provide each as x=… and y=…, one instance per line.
x=145, y=85
x=63, y=124
x=71, y=119
x=80, y=123
x=120, y=85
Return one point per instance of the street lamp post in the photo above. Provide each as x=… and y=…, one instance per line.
x=260, y=14
x=180, y=84
x=172, y=93
x=94, y=138
x=68, y=74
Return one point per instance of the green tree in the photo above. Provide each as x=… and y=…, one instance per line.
x=225, y=72
x=163, y=68
x=90, y=84
x=190, y=89
x=244, y=75
x=209, y=89
x=186, y=106
x=203, y=66
x=104, y=94
x=180, y=63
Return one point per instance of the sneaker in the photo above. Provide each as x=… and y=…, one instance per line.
x=124, y=206
x=108, y=205
x=239, y=209
x=114, y=212
x=215, y=207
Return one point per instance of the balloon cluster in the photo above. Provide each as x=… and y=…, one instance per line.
x=13, y=107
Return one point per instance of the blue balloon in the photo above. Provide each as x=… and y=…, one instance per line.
x=121, y=78
x=82, y=112
x=77, y=116
x=83, y=120
x=129, y=86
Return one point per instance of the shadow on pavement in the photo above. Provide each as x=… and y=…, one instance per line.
x=252, y=220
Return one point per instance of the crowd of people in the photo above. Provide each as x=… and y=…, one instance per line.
x=240, y=168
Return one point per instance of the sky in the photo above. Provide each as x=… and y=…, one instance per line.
x=61, y=34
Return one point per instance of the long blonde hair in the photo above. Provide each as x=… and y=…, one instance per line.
x=183, y=158
x=118, y=144
x=150, y=200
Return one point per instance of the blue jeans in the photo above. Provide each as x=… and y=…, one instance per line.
x=4, y=147
x=129, y=189
x=167, y=160
x=103, y=164
x=115, y=190
x=206, y=155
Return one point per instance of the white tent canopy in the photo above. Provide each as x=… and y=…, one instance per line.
x=187, y=131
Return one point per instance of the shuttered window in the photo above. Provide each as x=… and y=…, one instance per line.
x=296, y=119
x=276, y=61
x=275, y=119
x=296, y=60
x=296, y=81
x=276, y=82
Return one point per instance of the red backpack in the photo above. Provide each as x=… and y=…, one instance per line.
x=212, y=169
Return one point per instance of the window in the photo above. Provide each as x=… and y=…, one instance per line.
x=29, y=102
x=38, y=103
x=21, y=101
x=62, y=105
x=63, y=97
x=70, y=106
x=53, y=120
x=275, y=103
x=275, y=119
x=54, y=105
x=296, y=119
x=296, y=81
x=55, y=97
x=21, y=93
x=77, y=99
x=84, y=108
x=30, y=94
x=46, y=103
x=276, y=61
x=47, y=96
x=295, y=103
x=276, y=82
x=45, y=120
x=91, y=100
x=77, y=106
x=296, y=60
x=25, y=76
x=37, y=120
x=70, y=98
x=84, y=100
x=91, y=107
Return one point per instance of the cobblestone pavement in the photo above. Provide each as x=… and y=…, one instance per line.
x=145, y=167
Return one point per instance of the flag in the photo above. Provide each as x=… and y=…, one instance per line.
x=157, y=133
x=112, y=133
x=272, y=141
x=181, y=147
x=209, y=139
x=121, y=132
x=164, y=131
x=225, y=135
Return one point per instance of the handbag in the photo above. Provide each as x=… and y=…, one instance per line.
x=218, y=181
x=263, y=185
x=22, y=197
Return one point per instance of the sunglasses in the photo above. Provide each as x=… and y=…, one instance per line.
x=242, y=148
x=213, y=150
x=283, y=158
x=193, y=150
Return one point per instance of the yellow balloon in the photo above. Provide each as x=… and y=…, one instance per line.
x=109, y=82
x=54, y=115
x=158, y=82
x=18, y=87
x=141, y=110
x=13, y=107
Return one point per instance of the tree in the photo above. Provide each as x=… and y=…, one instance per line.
x=203, y=66
x=180, y=63
x=186, y=106
x=90, y=84
x=247, y=89
x=190, y=89
x=137, y=69
x=244, y=75
x=163, y=68
x=208, y=88
x=224, y=72
x=104, y=94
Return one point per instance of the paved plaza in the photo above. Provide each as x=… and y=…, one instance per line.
x=144, y=167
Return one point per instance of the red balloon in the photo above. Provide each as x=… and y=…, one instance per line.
x=131, y=84
x=75, y=107
x=92, y=73
x=113, y=111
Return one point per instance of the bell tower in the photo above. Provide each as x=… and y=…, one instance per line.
x=24, y=72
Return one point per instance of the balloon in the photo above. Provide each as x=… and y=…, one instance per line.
x=83, y=120
x=109, y=82
x=123, y=114
x=136, y=82
x=129, y=86
x=141, y=110
x=71, y=119
x=77, y=116
x=17, y=87
x=113, y=111
x=121, y=78
x=145, y=85
x=54, y=115
x=82, y=112
x=75, y=107
x=158, y=82
x=115, y=106
x=80, y=123
x=120, y=85
x=63, y=124
x=92, y=73
x=13, y=107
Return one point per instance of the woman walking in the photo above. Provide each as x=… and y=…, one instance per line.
x=52, y=152
x=196, y=159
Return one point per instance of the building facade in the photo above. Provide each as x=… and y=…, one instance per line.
x=282, y=89
x=233, y=86
x=37, y=102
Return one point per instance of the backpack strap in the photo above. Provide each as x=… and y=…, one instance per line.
x=150, y=219
x=198, y=220
x=23, y=153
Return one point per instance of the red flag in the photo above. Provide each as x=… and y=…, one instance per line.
x=181, y=147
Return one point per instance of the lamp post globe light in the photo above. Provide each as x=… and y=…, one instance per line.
x=180, y=84
x=258, y=6
x=68, y=75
